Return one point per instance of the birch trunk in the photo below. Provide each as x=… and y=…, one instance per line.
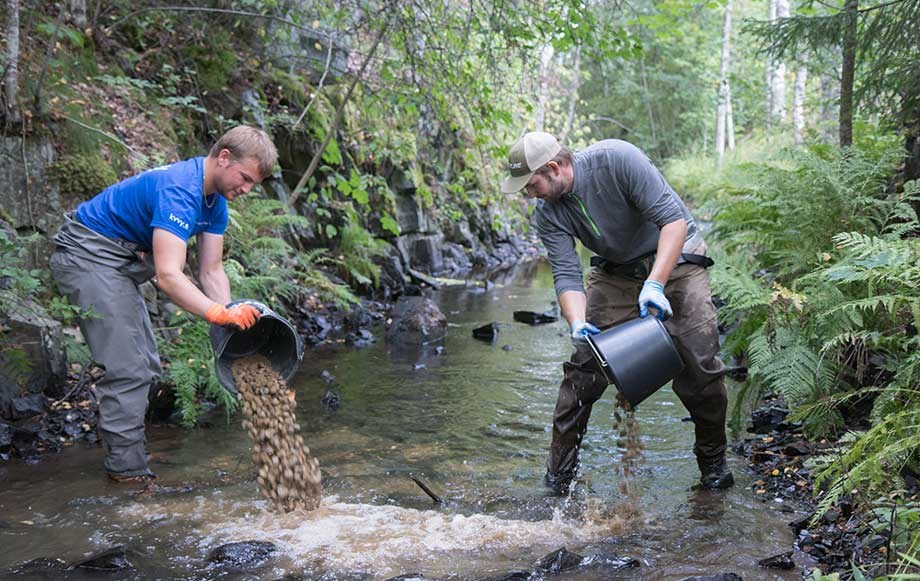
x=778, y=114
x=847, y=73
x=798, y=101
x=546, y=56
x=830, y=95
x=11, y=84
x=769, y=71
x=724, y=88
x=730, y=121
x=77, y=10
x=573, y=94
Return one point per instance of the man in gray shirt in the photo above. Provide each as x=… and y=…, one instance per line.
x=650, y=259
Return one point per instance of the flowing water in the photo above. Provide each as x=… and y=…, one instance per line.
x=473, y=422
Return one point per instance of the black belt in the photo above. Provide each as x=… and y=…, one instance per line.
x=639, y=269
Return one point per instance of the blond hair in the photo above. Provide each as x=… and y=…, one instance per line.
x=244, y=141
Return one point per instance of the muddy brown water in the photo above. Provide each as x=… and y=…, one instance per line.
x=472, y=422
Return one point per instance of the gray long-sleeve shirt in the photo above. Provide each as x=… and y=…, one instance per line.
x=618, y=205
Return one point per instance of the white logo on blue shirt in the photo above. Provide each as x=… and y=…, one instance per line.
x=182, y=224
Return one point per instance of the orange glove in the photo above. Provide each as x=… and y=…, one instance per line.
x=242, y=315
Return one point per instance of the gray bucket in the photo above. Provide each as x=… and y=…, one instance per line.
x=272, y=336
x=637, y=356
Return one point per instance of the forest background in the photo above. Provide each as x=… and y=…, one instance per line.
x=791, y=128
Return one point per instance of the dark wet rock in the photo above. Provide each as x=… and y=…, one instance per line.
x=719, y=577
x=558, y=561
x=46, y=568
x=532, y=318
x=39, y=362
x=799, y=448
x=800, y=524
x=510, y=576
x=416, y=320
x=412, y=577
x=20, y=408
x=506, y=347
x=111, y=559
x=242, y=555
x=314, y=328
x=781, y=561
x=360, y=338
x=769, y=419
x=486, y=332
x=331, y=400
x=610, y=563
x=327, y=377
x=831, y=516
x=6, y=436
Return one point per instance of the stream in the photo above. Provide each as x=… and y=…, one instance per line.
x=472, y=421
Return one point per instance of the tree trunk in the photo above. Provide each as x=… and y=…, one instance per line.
x=78, y=13
x=546, y=56
x=573, y=94
x=724, y=90
x=769, y=72
x=798, y=101
x=11, y=84
x=778, y=114
x=648, y=106
x=847, y=73
x=730, y=121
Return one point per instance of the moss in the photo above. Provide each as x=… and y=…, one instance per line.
x=83, y=176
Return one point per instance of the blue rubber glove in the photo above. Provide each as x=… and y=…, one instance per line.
x=580, y=332
x=652, y=295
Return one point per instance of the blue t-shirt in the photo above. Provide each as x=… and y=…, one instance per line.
x=168, y=197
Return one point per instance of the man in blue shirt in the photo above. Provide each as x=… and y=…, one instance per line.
x=137, y=229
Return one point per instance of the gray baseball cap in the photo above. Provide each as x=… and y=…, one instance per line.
x=529, y=154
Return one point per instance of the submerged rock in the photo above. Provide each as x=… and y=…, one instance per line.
x=44, y=568
x=719, y=577
x=242, y=555
x=532, y=318
x=331, y=400
x=486, y=332
x=416, y=320
x=560, y=560
x=781, y=561
x=111, y=559
x=510, y=576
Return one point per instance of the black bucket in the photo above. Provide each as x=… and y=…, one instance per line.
x=637, y=356
x=272, y=336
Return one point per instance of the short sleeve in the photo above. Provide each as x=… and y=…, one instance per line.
x=176, y=212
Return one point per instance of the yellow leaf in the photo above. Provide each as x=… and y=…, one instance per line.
x=775, y=472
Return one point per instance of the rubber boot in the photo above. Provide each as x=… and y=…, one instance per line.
x=714, y=473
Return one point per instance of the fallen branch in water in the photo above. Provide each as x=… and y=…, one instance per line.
x=427, y=490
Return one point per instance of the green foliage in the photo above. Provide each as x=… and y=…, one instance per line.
x=831, y=317
x=83, y=175
x=191, y=368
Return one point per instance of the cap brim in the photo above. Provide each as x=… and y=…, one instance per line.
x=514, y=184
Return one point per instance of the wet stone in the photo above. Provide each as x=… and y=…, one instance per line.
x=486, y=332
x=47, y=568
x=288, y=475
x=242, y=555
x=559, y=560
x=6, y=436
x=111, y=559
x=532, y=318
x=20, y=408
x=331, y=400
x=510, y=576
x=719, y=577
x=767, y=420
x=781, y=561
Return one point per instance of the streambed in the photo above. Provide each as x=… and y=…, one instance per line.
x=471, y=420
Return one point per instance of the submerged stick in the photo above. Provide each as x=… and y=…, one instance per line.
x=427, y=490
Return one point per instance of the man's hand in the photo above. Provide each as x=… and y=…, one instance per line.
x=652, y=295
x=580, y=332
x=242, y=315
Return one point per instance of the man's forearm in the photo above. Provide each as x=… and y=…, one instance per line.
x=670, y=243
x=574, y=305
x=180, y=290
x=216, y=285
